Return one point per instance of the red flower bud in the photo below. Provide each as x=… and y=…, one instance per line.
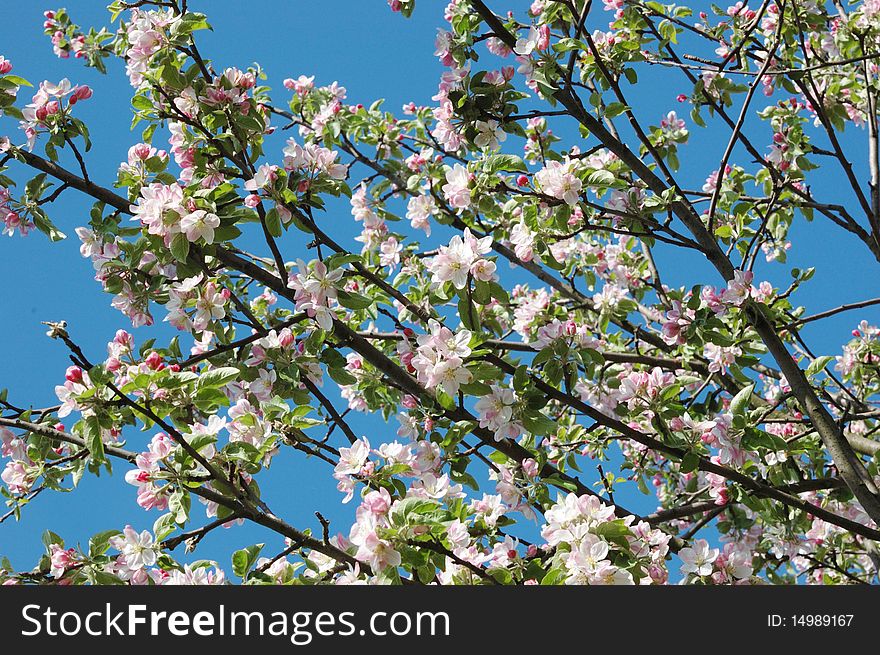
x=74, y=374
x=154, y=361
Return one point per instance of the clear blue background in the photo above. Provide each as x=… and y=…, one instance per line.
x=374, y=54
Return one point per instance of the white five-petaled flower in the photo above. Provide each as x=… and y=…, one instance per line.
x=698, y=558
x=200, y=224
x=489, y=134
x=138, y=549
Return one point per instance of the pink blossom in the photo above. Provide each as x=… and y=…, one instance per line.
x=60, y=560
x=457, y=187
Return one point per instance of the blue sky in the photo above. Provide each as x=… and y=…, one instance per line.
x=374, y=54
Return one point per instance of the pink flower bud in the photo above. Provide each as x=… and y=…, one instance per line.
x=74, y=374
x=543, y=37
x=522, y=180
x=286, y=338
x=5, y=66
x=252, y=200
x=83, y=92
x=154, y=361
x=49, y=14
x=410, y=402
x=122, y=337
x=530, y=467
x=140, y=151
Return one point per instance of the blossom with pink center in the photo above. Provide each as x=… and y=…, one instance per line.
x=558, y=179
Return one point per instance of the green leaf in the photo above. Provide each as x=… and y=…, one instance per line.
x=611, y=529
x=100, y=542
x=503, y=162
x=178, y=505
x=476, y=388
x=273, y=222
x=180, y=247
x=600, y=178
x=103, y=578
x=537, y=423
x=468, y=313
x=740, y=401
x=555, y=576
x=243, y=560
x=818, y=365
x=499, y=293
x=218, y=377
x=352, y=300
x=250, y=122
x=164, y=526
x=142, y=103
x=17, y=81
x=615, y=109
x=92, y=435
x=341, y=376
x=50, y=538
x=41, y=220
x=521, y=378
x=408, y=507
x=689, y=462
